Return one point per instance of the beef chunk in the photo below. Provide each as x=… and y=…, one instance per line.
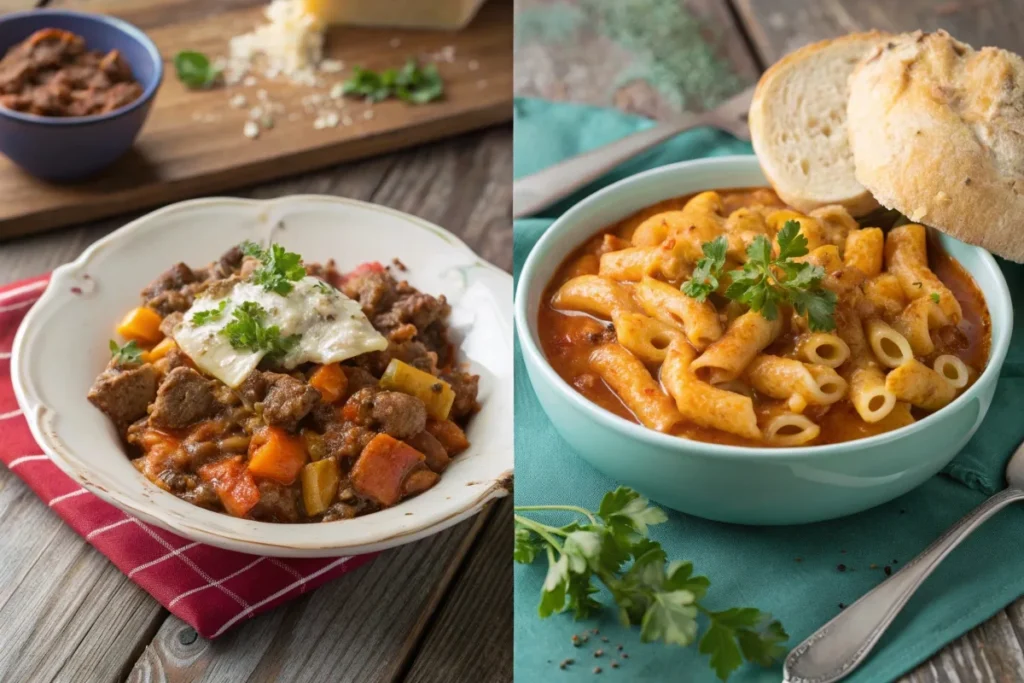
x=175, y=358
x=400, y=415
x=415, y=308
x=230, y=261
x=415, y=354
x=346, y=440
x=429, y=446
x=373, y=289
x=171, y=321
x=358, y=378
x=170, y=301
x=465, y=387
x=125, y=392
x=397, y=414
x=278, y=503
x=374, y=362
x=287, y=400
x=175, y=278
x=185, y=397
x=359, y=406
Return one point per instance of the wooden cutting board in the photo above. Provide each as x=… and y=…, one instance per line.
x=192, y=145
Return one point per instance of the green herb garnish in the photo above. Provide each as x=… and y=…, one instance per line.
x=325, y=288
x=410, y=83
x=248, y=331
x=129, y=354
x=279, y=270
x=934, y=296
x=705, y=276
x=195, y=70
x=766, y=282
x=203, y=317
x=662, y=597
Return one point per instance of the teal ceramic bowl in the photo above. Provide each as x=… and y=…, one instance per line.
x=741, y=484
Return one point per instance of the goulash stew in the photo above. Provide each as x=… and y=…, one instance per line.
x=52, y=73
x=728, y=317
x=279, y=391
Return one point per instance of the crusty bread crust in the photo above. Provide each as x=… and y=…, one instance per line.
x=798, y=127
x=936, y=130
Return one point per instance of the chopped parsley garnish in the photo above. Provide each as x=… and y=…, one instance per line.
x=661, y=597
x=410, y=83
x=279, y=270
x=934, y=296
x=766, y=282
x=195, y=69
x=129, y=354
x=249, y=331
x=325, y=288
x=203, y=317
x=705, y=276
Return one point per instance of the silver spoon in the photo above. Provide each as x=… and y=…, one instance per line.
x=542, y=189
x=838, y=647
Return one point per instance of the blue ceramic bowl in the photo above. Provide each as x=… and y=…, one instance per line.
x=72, y=148
x=731, y=483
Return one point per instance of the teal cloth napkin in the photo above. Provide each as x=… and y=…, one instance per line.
x=799, y=574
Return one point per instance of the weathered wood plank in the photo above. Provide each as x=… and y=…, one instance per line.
x=780, y=26
x=670, y=57
x=480, y=602
x=361, y=624
x=990, y=652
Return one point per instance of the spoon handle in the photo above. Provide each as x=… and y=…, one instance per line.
x=835, y=650
x=544, y=188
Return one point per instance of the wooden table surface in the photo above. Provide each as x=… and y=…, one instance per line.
x=414, y=614
x=699, y=52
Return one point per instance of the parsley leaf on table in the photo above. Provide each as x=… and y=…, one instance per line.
x=765, y=282
x=934, y=296
x=248, y=331
x=129, y=354
x=195, y=69
x=279, y=270
x=210, y=315
x=411, y=83
x=663, y=598
x=705, y=276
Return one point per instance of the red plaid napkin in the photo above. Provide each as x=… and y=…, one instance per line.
x=209, y=588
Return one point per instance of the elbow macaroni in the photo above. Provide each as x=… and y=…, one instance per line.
x=685, y=366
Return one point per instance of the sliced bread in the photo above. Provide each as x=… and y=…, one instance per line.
x=798, y=125
x=937, y=132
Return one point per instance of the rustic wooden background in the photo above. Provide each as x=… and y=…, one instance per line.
x=657, y=57
x=415, y=614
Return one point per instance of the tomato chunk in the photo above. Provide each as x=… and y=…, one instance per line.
x=233, y=483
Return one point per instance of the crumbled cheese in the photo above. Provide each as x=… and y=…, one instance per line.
x=290, y=44
x=238, y=101
x=368, y=114
x=337, y=91
x=255, y=112
x=346, y=120
x=331, y=66
x=249, y=81
x=267, y=122
x=251, y=130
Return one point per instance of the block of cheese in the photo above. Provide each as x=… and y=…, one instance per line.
x=438, y=14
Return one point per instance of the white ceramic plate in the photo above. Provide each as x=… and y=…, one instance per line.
x=62, y=346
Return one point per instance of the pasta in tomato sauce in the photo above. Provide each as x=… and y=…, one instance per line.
x=899, y=328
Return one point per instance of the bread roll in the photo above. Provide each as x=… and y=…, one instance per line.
x=937, y=132
x=798, y=125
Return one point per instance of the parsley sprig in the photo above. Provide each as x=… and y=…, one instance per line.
x=248, y=330
x=210, y=315
x=129, y=354
x=705, y=276
x=662, y=597
x=195, y=69
x=411, y=83
x=279, y=270
x=766, y=282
